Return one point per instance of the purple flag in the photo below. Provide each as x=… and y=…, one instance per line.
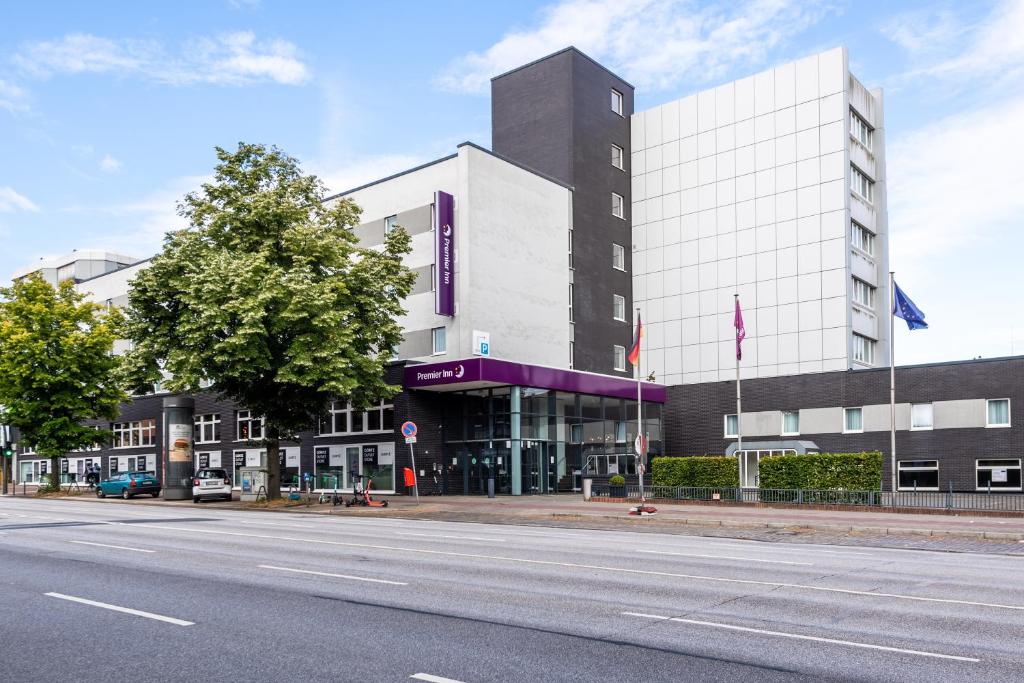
x=741, y=332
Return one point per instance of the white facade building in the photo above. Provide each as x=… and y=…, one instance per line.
x=771, y=187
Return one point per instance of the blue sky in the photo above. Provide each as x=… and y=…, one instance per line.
x=109, y=112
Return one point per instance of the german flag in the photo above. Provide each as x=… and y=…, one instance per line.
x=634, y=350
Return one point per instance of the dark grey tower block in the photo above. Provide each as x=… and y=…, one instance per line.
x=555, y=115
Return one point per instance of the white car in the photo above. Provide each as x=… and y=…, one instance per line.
x=211, y=482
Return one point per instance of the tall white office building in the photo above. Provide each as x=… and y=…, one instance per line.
x=771, y=187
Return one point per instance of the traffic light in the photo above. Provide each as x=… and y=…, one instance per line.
x=8, y=451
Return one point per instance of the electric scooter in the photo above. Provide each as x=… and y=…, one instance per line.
x=361, y=494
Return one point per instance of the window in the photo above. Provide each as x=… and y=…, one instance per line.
x=790, y=422
x=921, y=416
x=138, y=433
x=620, y=357
x=433, y=277
x=617, y=157
x=918, y=475
x=570, y=251
x=617, y=102
x=853, y=420
x=619, y=307
x=863, y=293
x=862, y=238
x=618, y=257
x=570, y=303
x=66, y=272
x=618, y=206
x=390, y=223
x=863, y=350
x=572, y=354
x=997, y=412
x=861, y=184
x=207, y=428
x=732, y=426
x=440, y=342
x=576, y=433
x=998, y=474
x=860, y=130
x=248, y=427
x=342, y=419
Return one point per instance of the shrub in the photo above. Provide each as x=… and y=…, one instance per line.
x=712, y=472
x=616, y=480
x=823, y=471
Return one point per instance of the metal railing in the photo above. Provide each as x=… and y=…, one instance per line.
x=947, y=500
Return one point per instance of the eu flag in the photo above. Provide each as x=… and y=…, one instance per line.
x=903, y=307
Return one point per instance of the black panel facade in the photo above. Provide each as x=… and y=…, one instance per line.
x=694, y=413
x=555, y=116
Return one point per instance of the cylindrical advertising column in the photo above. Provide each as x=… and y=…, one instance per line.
x=179, y=427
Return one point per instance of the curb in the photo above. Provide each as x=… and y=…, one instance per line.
x=832, y=528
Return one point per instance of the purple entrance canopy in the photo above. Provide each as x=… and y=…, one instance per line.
x=473, y=373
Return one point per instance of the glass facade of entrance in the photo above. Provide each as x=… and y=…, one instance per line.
x=540, y=440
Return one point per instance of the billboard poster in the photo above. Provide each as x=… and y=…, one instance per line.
x=180, y=442
x=444, y=253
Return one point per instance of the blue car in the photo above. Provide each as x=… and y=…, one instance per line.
x=128, y=484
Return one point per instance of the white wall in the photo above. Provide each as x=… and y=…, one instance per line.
x=511, y=262
x=744, y=189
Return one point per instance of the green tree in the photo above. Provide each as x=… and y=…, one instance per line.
x=57, y=367
x=268, y=298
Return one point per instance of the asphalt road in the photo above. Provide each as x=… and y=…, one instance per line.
x=106, y=590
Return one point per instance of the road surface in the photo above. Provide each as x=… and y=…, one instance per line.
x=108, y=590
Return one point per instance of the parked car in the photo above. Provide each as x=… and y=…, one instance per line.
x=211, y=482
x=128, y=484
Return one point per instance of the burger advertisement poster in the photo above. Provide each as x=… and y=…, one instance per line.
x=180, y=437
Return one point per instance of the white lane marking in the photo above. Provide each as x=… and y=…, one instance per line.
x=573, y=565
x=457, y=538
x=722, y=557
x=125, y=610
x=798, y=636
x=335, y=576
x=118, y=547
x=433, y=679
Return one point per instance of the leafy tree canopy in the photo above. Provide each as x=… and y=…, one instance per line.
x=57, y=367
x=268, y=297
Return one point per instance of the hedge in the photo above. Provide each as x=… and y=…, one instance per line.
x=824, y=471
x=716, y=472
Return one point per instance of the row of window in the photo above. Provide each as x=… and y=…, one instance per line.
x=860, y=130
x=921, y=418
x=990, y=474
x=862, y=185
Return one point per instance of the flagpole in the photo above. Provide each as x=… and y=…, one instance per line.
x=739, y=412
x=639, y=419
x=892, y=380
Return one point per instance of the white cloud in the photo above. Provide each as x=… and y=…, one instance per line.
x=109, y=164
x=343, y=177
x=13, y=98
x=12, y=201
x=992, y=48
x=227, y=59
x=653, y=43
x=957, y=181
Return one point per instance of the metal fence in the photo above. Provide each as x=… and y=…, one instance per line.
x=948, y=500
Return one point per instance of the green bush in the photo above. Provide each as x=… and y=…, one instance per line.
x=616, y=480
x=824, y=471
x=713, y=472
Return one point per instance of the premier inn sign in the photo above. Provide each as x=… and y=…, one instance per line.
x=444, y=253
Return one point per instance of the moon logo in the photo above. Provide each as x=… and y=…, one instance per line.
x=459, y=371
x=447, y=230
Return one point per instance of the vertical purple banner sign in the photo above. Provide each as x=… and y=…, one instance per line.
x=444, y=253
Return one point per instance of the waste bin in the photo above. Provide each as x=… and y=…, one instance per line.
x=587, y=485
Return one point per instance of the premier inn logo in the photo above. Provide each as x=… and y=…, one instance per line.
x=447, y=230
x=445, y=373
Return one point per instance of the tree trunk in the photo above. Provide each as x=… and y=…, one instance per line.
x=54, y=484
x=273, y=463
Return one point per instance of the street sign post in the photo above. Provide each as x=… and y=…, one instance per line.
x=409, y=432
